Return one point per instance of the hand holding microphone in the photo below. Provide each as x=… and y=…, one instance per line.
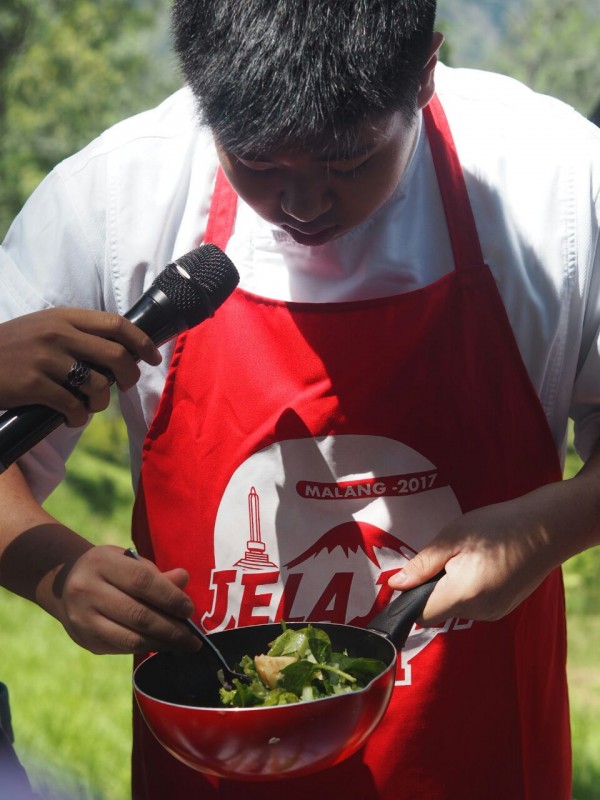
x=40, y=349
x=78, y=353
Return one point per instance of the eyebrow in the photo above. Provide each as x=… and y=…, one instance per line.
x=350, y=155
x=332, y=155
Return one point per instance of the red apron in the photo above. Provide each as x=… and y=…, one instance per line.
x=302, y=451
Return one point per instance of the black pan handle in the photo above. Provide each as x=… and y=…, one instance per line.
x=396, y=619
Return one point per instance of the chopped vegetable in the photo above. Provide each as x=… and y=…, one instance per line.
x=300, y=665
x=269, y=668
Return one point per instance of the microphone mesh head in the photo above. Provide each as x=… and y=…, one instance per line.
x=213, y=277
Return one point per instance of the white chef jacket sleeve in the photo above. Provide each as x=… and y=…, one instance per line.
x=586, y=395
x=50, y=257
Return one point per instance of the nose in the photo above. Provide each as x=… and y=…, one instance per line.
x=305, y=200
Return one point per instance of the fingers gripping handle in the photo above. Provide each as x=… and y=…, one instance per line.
x=397, y=618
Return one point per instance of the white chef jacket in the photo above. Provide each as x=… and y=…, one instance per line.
x=105, y=222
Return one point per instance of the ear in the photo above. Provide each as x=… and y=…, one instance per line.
x=427, y=76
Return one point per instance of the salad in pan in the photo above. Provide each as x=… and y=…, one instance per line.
x=300, y=665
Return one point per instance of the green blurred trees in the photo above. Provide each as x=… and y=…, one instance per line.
x=68, y=70
x=552, y=46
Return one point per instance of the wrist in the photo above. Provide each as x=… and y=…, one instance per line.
x=37, y=562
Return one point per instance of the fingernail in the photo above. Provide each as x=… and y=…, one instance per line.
x=188, y=609
x=398, y=579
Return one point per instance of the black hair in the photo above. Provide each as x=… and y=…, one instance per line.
x=294, y=74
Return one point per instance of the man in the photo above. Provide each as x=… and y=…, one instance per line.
x=386, y=394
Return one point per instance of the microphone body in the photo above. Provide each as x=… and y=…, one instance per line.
x=186, y=292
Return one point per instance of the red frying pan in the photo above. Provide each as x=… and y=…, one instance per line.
x=178, y=695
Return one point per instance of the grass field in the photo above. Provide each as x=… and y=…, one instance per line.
x=72, y=710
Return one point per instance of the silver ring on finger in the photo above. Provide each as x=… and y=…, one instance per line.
x=78, y=374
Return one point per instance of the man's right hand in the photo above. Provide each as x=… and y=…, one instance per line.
x=38, y=350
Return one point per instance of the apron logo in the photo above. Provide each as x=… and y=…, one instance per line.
x=255, y=556
x=299, y=550
x=354, y=537
x=375, y=487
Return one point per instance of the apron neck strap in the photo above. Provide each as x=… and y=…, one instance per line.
x=221, y=216
x=453, y=189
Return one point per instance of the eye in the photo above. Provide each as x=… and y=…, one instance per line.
x=255, y=165
x=348, y=169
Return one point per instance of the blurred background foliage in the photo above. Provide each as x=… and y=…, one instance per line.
x=68, y=70
x=551, y=45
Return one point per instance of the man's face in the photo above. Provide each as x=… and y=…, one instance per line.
x=317, y=197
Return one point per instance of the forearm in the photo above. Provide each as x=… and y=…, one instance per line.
x=106, y=602
x=588, y=482
x=35, y=549
x=572, y=517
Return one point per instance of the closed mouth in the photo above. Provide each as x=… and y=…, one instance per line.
x=309, y=235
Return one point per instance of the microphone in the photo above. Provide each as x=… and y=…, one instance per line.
x=185, y=293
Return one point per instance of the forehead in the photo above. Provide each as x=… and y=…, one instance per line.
x=352, y=143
